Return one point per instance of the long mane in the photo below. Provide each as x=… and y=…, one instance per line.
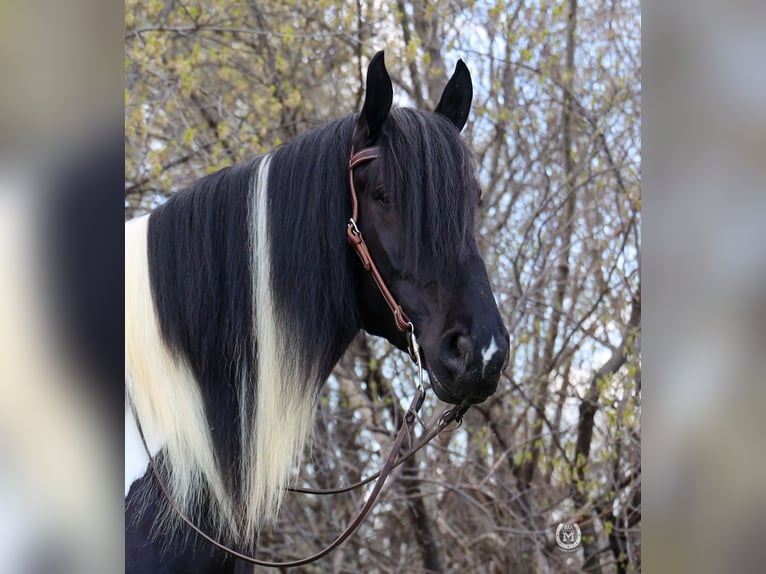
x=240, y=299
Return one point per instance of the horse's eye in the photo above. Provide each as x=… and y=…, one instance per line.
x=383, y=199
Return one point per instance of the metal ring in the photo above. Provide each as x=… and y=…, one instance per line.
x=414, y=350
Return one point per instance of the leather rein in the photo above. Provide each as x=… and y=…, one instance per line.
x=355, y=239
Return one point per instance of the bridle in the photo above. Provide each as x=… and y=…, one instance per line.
x=403, y=323
x=360, y=247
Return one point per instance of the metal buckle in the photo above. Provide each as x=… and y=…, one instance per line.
x=414, y=351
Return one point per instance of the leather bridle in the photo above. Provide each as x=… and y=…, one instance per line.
x=360, y=247
x=403, y=323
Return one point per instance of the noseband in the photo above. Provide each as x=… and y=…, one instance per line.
x=403, y=323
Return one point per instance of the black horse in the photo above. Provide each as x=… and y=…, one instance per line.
x=242, y=293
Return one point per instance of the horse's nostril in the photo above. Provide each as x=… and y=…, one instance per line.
x=463, y=347
x=456, y=352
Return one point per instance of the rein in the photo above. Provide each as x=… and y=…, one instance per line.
x=448, y=417
x=403, y=323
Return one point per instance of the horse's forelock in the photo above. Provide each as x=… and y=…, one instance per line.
x=430, y=172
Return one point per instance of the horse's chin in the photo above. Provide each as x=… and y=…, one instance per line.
x=442, y=392
x=445, y=394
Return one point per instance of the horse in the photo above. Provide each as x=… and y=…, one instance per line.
x=242, y=293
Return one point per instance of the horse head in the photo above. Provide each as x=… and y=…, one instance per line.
x=417, y=203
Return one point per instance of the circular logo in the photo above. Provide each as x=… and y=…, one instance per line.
x=568, y=536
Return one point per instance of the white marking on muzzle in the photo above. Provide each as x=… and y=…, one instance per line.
x=488, y=353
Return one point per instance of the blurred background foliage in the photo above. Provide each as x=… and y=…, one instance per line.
x=555, y=127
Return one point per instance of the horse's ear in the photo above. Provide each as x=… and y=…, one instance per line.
x=377, y=103
x=455, y=102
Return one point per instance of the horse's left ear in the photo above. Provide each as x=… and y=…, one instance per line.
x=455, y=102
x=379, y=95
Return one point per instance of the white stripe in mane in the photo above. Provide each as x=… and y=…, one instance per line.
x=285, y=403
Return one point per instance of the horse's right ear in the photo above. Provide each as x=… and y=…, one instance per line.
x=378, y=97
